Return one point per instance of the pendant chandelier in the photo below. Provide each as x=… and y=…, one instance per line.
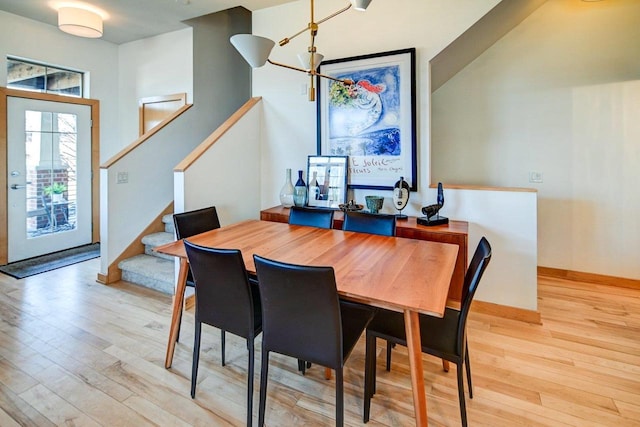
x=256, y=50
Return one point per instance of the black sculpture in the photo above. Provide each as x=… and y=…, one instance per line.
x=432, y=217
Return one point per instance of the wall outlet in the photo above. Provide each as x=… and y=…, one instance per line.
x=535, y=177
x=122, y=178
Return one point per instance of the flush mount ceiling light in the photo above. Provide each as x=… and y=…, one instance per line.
x=256, y=50
x=80, y=22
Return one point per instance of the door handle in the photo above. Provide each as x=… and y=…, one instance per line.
x=17, y=187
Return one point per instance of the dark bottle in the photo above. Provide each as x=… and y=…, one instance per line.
x=300, y=192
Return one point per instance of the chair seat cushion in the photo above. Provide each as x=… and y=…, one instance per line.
x=437, y=335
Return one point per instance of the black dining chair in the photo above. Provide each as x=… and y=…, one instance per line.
x=363, y=222
x=189, y=224
x=444, y=337
x=312, y=217
x=225, y=300
x=303, y=317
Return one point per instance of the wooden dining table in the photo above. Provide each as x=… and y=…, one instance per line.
x=405, y=275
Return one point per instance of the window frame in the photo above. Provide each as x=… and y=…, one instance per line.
x=47, y=66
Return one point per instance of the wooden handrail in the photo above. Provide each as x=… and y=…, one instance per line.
x=484, y=188
x=216, y=135
x=145, y=137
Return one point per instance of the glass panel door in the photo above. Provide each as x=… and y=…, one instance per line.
x=49, y=164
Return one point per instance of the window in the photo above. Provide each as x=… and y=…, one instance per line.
x=36, y=77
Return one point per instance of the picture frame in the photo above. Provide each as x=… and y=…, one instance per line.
x=327, y=176
x=373, y=120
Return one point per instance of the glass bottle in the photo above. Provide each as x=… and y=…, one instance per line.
x=286, y=192
x=300, y=192
x=314, y=188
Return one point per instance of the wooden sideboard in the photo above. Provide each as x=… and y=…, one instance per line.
x=456, y=232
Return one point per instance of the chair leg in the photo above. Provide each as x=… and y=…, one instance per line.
x=463, y=409
x=374, y=370
x=301, y=366
x=369, y=371
x=339, y=398
x=445, y=365
x=468, y=369
x=264, y=371
x=179, y=324
x=389, y=347
x=222, y=345
x=196, y=357
x=250, y=383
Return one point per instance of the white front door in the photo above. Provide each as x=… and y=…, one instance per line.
x=49, y=177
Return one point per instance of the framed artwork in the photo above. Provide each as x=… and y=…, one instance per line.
x=327, y=177
x=372, y=120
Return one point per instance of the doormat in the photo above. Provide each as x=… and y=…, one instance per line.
x=48, y=262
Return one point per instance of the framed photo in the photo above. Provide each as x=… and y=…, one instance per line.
x=327, y=177
x=372, y=120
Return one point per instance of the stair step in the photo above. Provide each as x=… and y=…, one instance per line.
x=149, y=271
x=150, y=241
x=168, y=224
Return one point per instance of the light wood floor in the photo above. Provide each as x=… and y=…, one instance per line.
x=77, y=353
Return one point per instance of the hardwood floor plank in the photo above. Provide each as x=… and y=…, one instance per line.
x=56, y=409
x=92, y=402
x=15, y=408
x=154, y=413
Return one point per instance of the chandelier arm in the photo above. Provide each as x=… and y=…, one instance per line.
x=333, y=15
x=286, y=40
x=310, y=72
x=344, y=81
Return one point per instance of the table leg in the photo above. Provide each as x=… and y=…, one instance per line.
x=178, y=300
x=412, y=328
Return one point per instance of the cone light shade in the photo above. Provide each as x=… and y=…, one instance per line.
x=360, y=4
x=254, y=49
x=305, y=57
x=80, y=22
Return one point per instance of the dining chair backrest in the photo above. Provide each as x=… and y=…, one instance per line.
x=477, y=266
x=300, y=311
x=223, y=292
x=363, y=222
x=194, y=222
x=312, y=217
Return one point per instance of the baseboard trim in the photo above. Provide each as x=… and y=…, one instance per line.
x=508, y=312
x=599, y=279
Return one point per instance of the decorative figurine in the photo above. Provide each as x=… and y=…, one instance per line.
x=432, y=217
x=401, y=197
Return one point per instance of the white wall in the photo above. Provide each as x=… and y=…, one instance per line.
x=214, y=177
x=290, y=119
x=40, y=42
x=160, y=65
x=507, y=219
x=560, y=95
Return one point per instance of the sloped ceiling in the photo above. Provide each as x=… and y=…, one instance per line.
x=505, y=16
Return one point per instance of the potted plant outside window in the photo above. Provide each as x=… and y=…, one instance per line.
x=55, y=191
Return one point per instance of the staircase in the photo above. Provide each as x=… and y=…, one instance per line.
x=151, y=269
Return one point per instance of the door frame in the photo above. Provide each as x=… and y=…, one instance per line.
x=95, y=159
